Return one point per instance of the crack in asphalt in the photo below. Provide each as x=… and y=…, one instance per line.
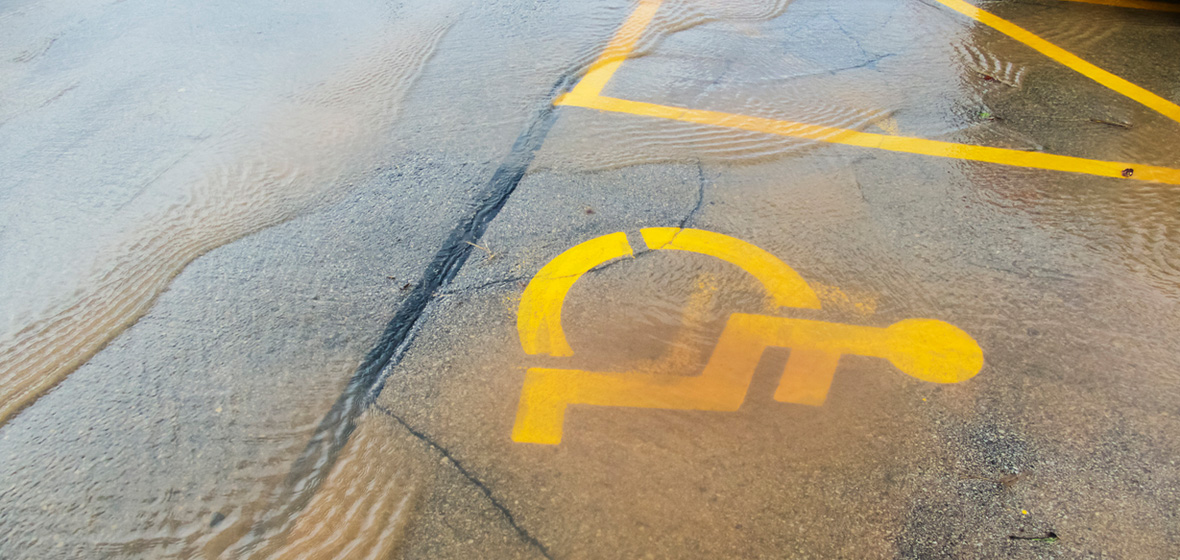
x=483, y=488
x=702, y=182
x=311, y=468
x=485, y=285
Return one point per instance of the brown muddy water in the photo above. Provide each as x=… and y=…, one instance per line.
x=262, y=270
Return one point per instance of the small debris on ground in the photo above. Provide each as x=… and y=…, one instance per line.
x=1046, y=537
x=1110, y=123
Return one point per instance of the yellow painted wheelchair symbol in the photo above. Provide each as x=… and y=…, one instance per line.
x=927, y=349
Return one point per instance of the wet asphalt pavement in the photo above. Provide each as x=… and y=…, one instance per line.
x=264, y=273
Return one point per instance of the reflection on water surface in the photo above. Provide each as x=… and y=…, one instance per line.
x=172, y=442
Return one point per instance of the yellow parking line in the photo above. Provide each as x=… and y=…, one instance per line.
x=1138, y=4
x=847, y=137
x=587, y=94
x=617, y=51
x=1163, y=106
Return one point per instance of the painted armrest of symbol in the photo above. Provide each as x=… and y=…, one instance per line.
x=926, y=349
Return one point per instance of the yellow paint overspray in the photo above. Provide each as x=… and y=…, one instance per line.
x=681, y=355
x=926, y=349
x=860, y=303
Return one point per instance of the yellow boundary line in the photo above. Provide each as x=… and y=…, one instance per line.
x=587, y=94
x=1137, y=4
x=1128, y=89
x=886, y=142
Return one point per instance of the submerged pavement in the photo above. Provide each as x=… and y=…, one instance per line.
x=399, y=287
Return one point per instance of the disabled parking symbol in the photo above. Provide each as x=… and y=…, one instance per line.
x=927, y=349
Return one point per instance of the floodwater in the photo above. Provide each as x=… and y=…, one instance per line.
x=266, y=274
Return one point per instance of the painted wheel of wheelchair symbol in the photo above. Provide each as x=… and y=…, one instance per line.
x=926, y=349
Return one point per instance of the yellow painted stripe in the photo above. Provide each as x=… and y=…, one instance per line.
x=926, y=349
x=1138, y=4
x=617, y=51
x=832, y=135
x=781, y=281
x=1151, y=100
x=588, y=91
x=538, y=320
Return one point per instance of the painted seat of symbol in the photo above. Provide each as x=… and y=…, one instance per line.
x=926, y=349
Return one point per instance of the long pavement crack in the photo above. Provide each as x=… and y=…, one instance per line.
x=311, y=468
x=483, y=488
x=485, y=285
x=701, y=183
